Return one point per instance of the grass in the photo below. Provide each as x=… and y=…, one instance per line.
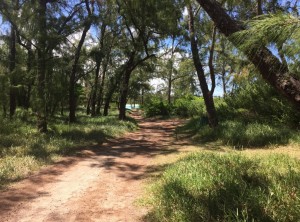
x=23, y=149
x=240, y=134
x=228, y=187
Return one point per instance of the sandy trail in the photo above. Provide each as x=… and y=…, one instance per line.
x=100, y=184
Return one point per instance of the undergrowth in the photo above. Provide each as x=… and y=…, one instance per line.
x=23, y=149
x=240, y=134
x=228, y=187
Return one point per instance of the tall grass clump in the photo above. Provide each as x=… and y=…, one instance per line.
x=228, y=187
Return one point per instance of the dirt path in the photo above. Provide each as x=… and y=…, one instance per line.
x=100, y=184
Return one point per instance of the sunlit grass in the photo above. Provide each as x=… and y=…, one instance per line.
x=221, y=186
x=240, y=134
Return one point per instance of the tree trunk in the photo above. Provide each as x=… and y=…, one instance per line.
x=259, y=7
x=210, y=61
x=12, y=66
x=207, y=95
x=223, y=79
x=107, y=102
x=269, y=66
x=170, y=79
x=99, y=61
x=101, y=88
x=88, y=105
x=72, y=83
x=30, y=59
x=125, y=85
x=41, y=66
x=95, y=89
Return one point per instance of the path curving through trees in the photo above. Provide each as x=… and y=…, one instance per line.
x=101, y=183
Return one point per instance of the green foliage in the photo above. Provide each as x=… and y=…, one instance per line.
x=157, y=107
x=189, y=106
x=228, y=187
x=272, y=28
x=241, y=134
x=23, y=149
x=257, y=101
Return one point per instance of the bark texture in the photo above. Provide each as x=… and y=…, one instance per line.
x=207, y=94
x=269, y=66
x=73, y=79
x=41, y=66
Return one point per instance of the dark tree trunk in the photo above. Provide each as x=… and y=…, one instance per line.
x=41, y=73
x=207, y=95
x=125, y=85
x=73, y=79
x=128, y=68
x=223, y=79
x=61, y=108
x=107, y=102
x=170, y=77
x=99, y=61
x=269, y=66
x=72, y=83
x=142, y=98
x=93, y=99
x=88, y=106
x=30, y=83
x=101, y=88
x=259, y=7
x=210, y=62
x=12, y=66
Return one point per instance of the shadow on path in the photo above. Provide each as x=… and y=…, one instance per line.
x=128, y=157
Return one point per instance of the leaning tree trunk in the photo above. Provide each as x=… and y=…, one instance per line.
x=72, y=84
x=269, y=66
x=125, y=85
x=207, y=95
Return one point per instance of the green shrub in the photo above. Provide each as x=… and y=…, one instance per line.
x=228, y=187
x=189, y=107
x=156, y=107
x=262, y=103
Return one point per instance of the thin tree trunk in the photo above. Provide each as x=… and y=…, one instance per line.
x=72, y=83
x=207, y=95
x=12, y=66
x=259, y=7
x=93, y=99
x=41, y=73
x=223, y=79
x=73, y=79
x=171, y=72
x=107, y=101
x=101, y=88
x=99, y=61
x=269, y=66
x=210, y=61
x=88, y=106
